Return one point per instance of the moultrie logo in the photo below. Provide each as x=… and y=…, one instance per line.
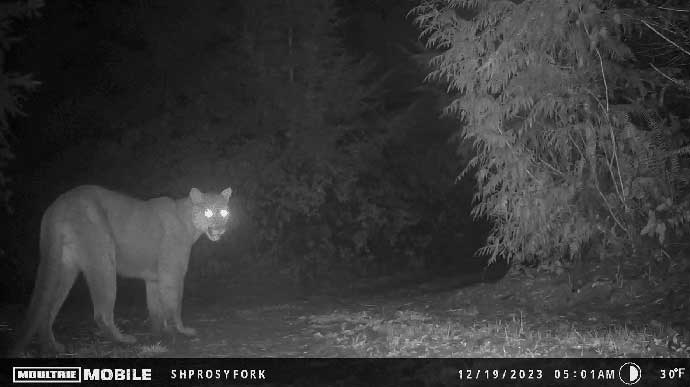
x=46, y=374
x=77, y=374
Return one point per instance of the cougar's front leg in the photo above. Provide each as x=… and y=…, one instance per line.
x=171, y=291
x=155, y=306
x=177, y=317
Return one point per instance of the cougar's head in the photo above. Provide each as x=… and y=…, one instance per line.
x=210, y=212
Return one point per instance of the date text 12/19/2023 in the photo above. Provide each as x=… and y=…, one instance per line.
x=536, y=374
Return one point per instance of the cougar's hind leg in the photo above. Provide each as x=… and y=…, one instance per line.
x=67, y=274
x=102, y=281
x=56, y=273
x=53, y=283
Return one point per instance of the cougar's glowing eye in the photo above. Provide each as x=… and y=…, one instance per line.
x=224, y=213
x=208, y=213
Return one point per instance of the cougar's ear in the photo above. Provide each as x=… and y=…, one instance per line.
x=196, y=196
x=226, y=193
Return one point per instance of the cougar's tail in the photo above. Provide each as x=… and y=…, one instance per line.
x=47, y=280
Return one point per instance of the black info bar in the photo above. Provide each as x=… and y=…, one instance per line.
x=349, y=372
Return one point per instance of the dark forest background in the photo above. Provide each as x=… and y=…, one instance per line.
x=325, y=118
x=340, y=165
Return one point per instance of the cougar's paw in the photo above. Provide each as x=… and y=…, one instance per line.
x=186, y=331
x=157, y=328
x=125, y=338
x=158, y=331
x=59, y=347
x=52, y=348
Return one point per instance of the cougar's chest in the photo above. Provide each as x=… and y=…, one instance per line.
x=139, y=244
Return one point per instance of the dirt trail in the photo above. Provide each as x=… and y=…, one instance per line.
x=517, y=316
x=281, y=330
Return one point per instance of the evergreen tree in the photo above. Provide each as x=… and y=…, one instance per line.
x=13, y=86
x=310, y=97
x=569, y=136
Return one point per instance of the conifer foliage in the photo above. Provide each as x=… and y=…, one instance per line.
x=568, y=124
x=12, y=85
x=309, y=106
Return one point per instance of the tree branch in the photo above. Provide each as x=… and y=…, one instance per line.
x=686, y=52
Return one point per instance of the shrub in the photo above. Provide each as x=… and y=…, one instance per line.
x=547, y=93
